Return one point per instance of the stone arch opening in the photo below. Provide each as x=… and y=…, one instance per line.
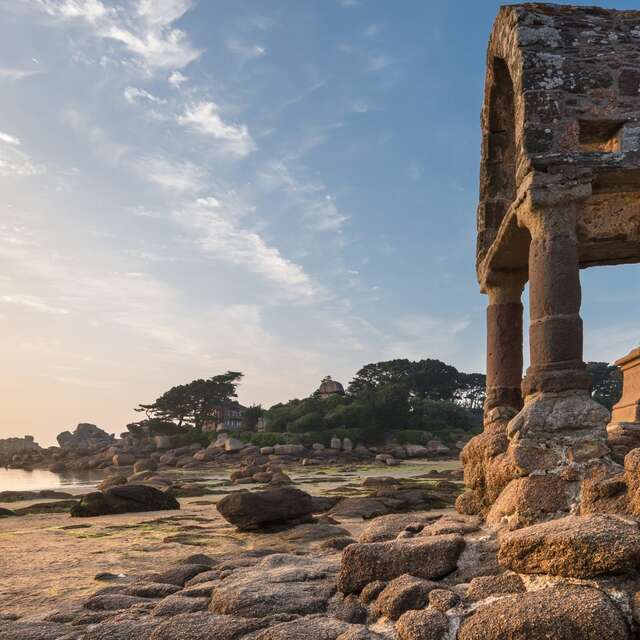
x=501, y=160
x=498, y=172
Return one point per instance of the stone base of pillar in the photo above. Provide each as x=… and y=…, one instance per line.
x=554, y=443
x=497, y=397
x=622, y=437
x=556, y=379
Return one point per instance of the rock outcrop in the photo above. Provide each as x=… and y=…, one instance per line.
x=429, y=558
x=86, y=436
x=561, y=613
x=249, y=510
x=124, y=499
x=574, y=547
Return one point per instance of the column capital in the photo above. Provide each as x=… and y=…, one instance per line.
x=504, y=287
x=550, y=221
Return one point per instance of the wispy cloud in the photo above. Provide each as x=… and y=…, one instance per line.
x=204, y=117
x=9, y=139
x=419, y=336
x=245, y=52
x=309, y=198
x=217, y=234
x=35, y=303
x=146, y=31
x=174, y=175
x=359, y=106
x=176, y=79
x=14, y=161
x=372, y=30
x=134, y=95
x=18, y=74
x=378, y=63
x=102, y=144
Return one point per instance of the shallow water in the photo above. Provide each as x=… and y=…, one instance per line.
x=38, y=479
x=323, y=479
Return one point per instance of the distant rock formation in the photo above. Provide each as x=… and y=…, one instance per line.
x=86, y=436
x=329, y=387
x=9, y=446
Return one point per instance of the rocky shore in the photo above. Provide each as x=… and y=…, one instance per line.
x=88, y=447
x=228, y=571
x=86, y=576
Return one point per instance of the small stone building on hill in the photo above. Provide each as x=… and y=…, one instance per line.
x=329, y=387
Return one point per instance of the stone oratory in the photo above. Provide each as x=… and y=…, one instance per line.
x=559, y=192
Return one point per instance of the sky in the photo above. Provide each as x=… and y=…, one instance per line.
x=285, y=188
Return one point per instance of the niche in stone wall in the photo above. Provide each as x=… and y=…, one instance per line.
x=501, y=147
x=600, y=135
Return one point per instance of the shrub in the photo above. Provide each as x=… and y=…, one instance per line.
x=306, y=423
x=266, y=439
x=191, y=435
x=412, y=436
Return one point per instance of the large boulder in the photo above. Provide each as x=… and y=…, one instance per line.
x=85, y=436
x=388, y=527
x=124, y=499
x=400, y=595
x=575, y=547
x=233, y=444
x=278, y=584
x=431, y=558
x=561, y=613
x=123, y=460
x=289, y=450
x=204, y=625
x=427, y=624
x=526, y=501
x=253, y=510
x=482, y=587
x=416, y=451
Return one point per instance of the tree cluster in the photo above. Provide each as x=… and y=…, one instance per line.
x=193, y=404
x=606, y=383
x=427, y=395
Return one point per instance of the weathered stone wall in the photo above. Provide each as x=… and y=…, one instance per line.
x=624, y=428
x=561, y=89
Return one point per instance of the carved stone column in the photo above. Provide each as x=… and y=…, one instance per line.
x=504, y=342
x=555, y=331
x=558, y=438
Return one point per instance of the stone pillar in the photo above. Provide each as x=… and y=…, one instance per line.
x=504, y=342
x=555, y=331
x=624, y=429
x=559, y=437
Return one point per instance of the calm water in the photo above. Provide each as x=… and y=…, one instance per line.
x=21, y=480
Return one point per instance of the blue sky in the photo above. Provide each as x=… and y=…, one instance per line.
x=285, y=188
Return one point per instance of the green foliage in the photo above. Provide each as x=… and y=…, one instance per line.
x=266, y=439
x=355, y=415
x=191, y=435
x=438, y=416
x=606, y=381
x=194, y=403
x=159, y=427
x=427, y=378
x=250, y=417
x=388, y=406
x=412, y=436
x=306, y=423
